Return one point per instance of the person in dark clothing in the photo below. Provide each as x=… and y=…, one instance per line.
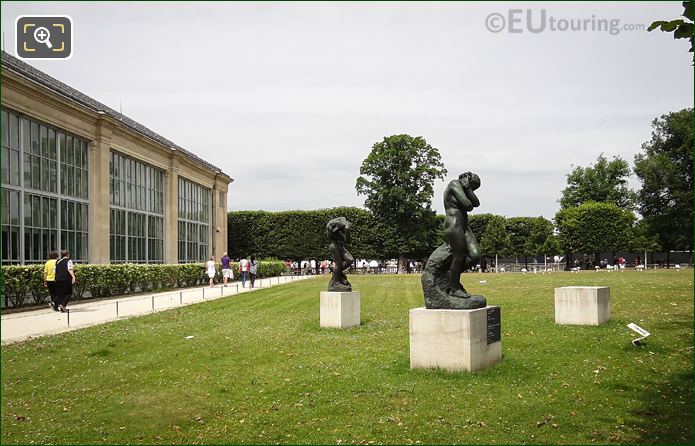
x=253, y=270
x=226, y=268
x=65, y=279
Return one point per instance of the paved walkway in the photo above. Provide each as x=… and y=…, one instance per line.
x=20, y=326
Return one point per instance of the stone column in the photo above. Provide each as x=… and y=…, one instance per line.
x=171, y=212
x=99, y=224
x=219, y=203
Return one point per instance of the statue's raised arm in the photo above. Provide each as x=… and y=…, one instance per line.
x=455, y=196
x=470, y=182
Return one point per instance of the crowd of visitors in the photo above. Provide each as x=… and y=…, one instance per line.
x=618, y=263
x=364, y=266
x=248, y=269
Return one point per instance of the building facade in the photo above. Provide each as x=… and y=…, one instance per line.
x=78, y=175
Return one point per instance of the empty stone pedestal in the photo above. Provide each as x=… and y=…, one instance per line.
x=340, y=309
x=582, y=305
x=455, y=340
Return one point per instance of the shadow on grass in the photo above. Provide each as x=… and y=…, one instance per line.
x=682, y=327
x=683, y=324
x=314, y=326
x=666, y=416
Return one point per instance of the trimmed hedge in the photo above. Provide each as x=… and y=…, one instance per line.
x=23, y=285
x=302, y=234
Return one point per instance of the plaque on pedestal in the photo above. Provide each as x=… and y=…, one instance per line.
x=494, y=325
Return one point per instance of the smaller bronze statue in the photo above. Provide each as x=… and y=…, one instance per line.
x=338, y=231
x=441, y=278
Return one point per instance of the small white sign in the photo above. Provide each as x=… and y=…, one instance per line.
x=639, y=330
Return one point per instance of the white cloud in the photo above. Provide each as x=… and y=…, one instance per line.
x=289, y=98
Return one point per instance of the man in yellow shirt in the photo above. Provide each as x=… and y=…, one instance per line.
x=49, y=278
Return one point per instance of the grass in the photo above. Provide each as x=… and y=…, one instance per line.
x=259, y=370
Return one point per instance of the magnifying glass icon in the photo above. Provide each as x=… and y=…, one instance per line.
x=42, y=35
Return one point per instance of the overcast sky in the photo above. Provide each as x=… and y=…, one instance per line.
x=289, y=98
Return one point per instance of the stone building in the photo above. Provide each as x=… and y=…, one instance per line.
x=80, y=176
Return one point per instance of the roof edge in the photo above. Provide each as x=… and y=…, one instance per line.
x=50, y=83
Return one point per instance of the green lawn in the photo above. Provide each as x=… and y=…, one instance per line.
x=259, y=370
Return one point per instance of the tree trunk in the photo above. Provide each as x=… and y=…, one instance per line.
x=401, y=264
x=568, y=261
x=668, y=259
x=497, y=265
x=526, y=262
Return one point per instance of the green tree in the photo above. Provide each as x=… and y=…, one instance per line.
x=495, y=240
x=551, y=245
x=478, y=223
x=519, y=229
x=680, y=28
x=527, y=234
x=605, y=181
x=593, y=227
x=644, y=240
x=436, y=236
x=397, y=178
x=665, y=169
x=540, y=240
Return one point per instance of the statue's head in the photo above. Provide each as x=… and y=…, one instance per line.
x=473, y=179
x=337, y=228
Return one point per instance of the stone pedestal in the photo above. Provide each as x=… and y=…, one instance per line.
x=582, y=305
x=455, y=340
x=340, y=309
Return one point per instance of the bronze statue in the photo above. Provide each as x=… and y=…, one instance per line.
x=338, y=231
x=441, y=278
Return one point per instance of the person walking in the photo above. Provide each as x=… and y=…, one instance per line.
x=253, y=270
x=244, y=269
x=210, y=266
x=65, y=280
x=227, y=272
x=49, y=279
